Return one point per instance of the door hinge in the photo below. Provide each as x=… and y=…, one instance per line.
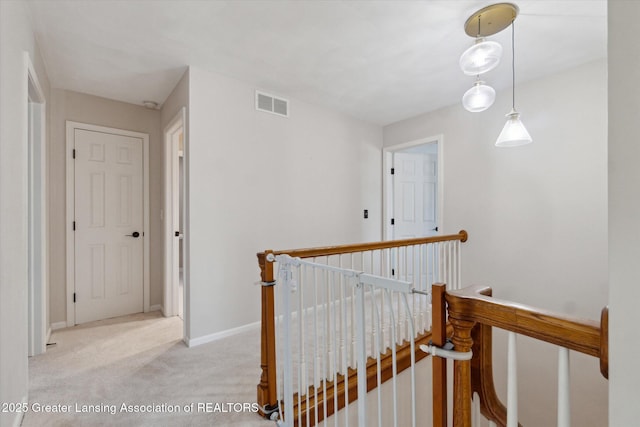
x=74, y=153
x=74, y=297
x=393, y=221
x=74, y=226
x=393, y=171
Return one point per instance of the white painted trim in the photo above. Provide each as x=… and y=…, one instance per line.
x=386, y=169
x=38, y=215
x=156, y=307
x=170, y=175
x=70, y=166
x=193, y=342
x=17, y=421
x=58, y=325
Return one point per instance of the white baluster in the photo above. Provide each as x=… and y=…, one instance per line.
x=564, y=405
x=475, y=410
x=512, y=382
x=362, y=358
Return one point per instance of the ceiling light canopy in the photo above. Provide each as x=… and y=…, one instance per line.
x=490, y=20
x=479, y=97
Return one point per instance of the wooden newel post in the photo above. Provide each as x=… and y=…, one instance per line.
x=462, y=342
x=267, y=392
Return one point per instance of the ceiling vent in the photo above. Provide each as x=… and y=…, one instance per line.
x=271, y=104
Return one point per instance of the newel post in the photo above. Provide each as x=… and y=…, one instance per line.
x=462, y=342
x=267, y=392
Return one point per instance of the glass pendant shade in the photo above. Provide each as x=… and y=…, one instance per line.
x=513, y=133
x=479, y=97
x=483, y=56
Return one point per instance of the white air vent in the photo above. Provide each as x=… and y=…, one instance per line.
x=272, y=104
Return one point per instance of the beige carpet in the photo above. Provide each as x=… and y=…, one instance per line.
x=140, y=360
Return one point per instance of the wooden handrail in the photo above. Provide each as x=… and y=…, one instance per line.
x=371, y=246
x=266, y=389
x=476, y=304
x=472, y=312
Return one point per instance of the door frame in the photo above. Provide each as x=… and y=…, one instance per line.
x=171, y=245
x=71, y=126
x=38, y=242
x=387, y=181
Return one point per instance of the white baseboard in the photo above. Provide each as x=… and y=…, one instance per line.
x=58, y=325
x=156, y=307
x=17, y=421
x=192, y=342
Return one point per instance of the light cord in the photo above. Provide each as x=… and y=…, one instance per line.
x=513, y=67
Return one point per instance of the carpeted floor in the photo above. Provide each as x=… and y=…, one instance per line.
x=140, y=361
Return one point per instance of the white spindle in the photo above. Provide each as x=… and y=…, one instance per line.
x=376, y=315
x=394, y=361
x=302, y=375
x=413, y=362
x=362, y=358
x=288, y=349
x=475, y=410
x=325, y=340
x=564, y=406
x=316, y=350
x=459, y=260
x=512, y=382
x=334, y=358
x=345, y=371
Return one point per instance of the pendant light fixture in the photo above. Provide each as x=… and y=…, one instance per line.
x=513, y=133
x=484, y=55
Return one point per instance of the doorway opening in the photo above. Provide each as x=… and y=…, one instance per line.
x=176, y=275
x=413, y=189
x=38, y=265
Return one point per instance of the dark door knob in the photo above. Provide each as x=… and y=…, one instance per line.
x=135, y=234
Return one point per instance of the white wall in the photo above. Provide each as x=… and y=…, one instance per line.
x=259, y=181
x=16, y=37
x=624, y=213
x=536, y=217
x=79, y=107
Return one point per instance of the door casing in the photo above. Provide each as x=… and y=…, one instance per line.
x=70, y=168
x=387, y=183
x=38, y=213
x=171, y=210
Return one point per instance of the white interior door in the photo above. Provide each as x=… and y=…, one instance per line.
x=414, y=195
x=109, y=225
x=415, y=183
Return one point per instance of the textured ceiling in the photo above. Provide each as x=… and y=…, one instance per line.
x=381, y=61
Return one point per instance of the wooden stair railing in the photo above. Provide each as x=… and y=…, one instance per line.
x=266, y=390
x=472, y=314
